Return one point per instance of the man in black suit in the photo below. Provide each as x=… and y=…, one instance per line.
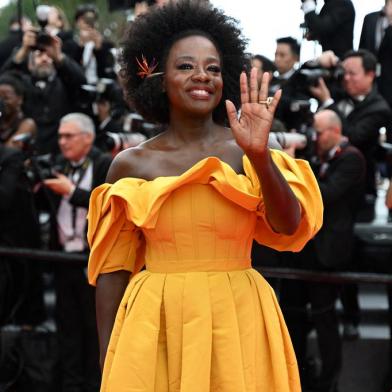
x=373, y=28
x=340, y=171
x=333, y=26
x=81, y=168
x=362, y=109
x=286, y=58
x=376, y=36
x=52, y=82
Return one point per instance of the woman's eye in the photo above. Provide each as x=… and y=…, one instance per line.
x=214, y=68
x=185, y=66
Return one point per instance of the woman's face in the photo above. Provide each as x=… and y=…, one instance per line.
x=12, y=101
x=193, y=79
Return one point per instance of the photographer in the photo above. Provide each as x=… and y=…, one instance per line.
x=286, y=57
x=340, y=174
x=12, y=120
x=81, y=168
x=333, y=26
x=362, y=109
x=52, y=82
x=89, y=48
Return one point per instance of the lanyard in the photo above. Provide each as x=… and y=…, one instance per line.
x=81, y=170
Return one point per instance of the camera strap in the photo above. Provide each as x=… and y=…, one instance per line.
x=71, y=171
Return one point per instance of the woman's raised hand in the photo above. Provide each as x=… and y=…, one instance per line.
x=251, y=130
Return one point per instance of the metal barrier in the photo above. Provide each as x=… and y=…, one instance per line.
x=269, y=272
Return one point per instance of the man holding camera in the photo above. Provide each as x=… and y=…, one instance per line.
x=286, y=57
x=362, y=109
x=89, y=48
x=52, y=82
x=83, y=167
x=340, y=172
x=333, y=26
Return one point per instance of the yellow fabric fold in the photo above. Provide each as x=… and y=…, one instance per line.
x=303, y=183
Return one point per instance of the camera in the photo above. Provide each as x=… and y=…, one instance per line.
x=303, y=137
x=43, y=38
x=37, y=167
x=310, y=76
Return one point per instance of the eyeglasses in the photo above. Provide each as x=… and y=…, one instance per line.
x=68, y=136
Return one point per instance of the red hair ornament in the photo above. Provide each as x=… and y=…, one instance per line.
x=146, y=70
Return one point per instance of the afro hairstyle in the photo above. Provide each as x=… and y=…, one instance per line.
x=153, y=34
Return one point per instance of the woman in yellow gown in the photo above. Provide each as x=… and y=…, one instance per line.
x=187, y=205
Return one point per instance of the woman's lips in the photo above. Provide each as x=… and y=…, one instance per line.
x=200, y=94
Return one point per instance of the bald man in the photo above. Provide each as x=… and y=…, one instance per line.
x=340, y=172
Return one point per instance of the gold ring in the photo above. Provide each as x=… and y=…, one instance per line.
x=267, y=102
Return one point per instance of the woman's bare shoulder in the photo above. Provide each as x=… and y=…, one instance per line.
x=136, y=161
x=126, y=164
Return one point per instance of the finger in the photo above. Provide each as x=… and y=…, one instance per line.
x=264, y=86
x=244, y=88
x=231, y=114
x=275, y=101
x=233, y=120
x=254, y=86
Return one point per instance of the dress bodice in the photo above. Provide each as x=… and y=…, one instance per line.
x=196, y=224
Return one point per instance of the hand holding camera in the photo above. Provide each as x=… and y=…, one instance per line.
x=90, y=34
x=320, y=91
x=29, y=42
x=61, y=185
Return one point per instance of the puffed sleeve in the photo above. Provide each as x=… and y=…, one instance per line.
x=301, y=180
x=115, y=242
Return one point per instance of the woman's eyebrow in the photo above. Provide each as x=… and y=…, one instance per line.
x=192, y=58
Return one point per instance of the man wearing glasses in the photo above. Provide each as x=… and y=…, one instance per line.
x=83, y=167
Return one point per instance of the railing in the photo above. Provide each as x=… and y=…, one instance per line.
x=269, y=272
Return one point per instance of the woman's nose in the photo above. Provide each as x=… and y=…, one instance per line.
x=200, y=74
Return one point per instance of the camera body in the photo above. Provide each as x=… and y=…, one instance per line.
x=43, y=38
x=310, y=73
x=37, y=167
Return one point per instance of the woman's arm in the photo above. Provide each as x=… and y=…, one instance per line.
x=251, y=133
x=110, y=287
x=109, y=292
x=281, y=206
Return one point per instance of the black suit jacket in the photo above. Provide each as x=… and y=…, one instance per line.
x=341, y=189
x=8, y=44
x=383, y=53
x=333, y=26
x=18, y=220
x=80, y=197
x=362, y=126
x=368, y=32
x=385, y=60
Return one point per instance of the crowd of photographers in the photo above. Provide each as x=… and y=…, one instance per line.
x=63, y=118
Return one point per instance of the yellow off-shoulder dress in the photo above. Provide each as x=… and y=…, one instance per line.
x=198, y=318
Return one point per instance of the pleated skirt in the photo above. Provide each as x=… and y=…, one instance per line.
x=200, y=332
